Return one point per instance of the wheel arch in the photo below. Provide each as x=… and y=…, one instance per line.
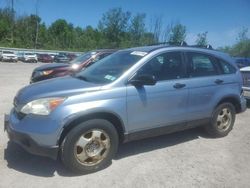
x=234, y=100
x=111, y=117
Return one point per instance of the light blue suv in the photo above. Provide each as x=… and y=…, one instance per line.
x=131, y=94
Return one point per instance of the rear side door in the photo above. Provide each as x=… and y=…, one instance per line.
x=164, y=103
x=206, y=83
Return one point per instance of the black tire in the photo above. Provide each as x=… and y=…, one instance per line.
x=68, y=155
x=213, y=127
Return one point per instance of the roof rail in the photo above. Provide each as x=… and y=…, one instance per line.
x=201, y=46
x=182, y=43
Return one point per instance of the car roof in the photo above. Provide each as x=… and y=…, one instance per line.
x=152, y=48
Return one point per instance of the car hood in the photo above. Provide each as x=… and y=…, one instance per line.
x=51, y=66
x=58, y=87
x=245, y=69
x=9, y=55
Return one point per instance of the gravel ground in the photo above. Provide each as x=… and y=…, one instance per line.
x=183, y=159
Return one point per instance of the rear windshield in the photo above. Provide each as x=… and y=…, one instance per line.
x=8, y=52
x=83, y=58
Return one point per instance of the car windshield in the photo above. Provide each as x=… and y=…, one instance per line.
x=110, y=68
x=82, y=58
x=8, y=52
x=29, y=54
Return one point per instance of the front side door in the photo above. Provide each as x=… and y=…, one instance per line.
x=164, y=103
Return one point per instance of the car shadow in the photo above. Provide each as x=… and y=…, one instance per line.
x=20, y=160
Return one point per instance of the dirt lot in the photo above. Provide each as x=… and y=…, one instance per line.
x=184, y=159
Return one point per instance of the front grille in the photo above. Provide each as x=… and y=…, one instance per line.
x=246, y=79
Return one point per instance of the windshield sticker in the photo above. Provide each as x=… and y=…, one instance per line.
x=109, y=77
x=138, y=53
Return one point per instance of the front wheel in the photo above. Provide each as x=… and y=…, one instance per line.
x=222, y=121
x=90, y=146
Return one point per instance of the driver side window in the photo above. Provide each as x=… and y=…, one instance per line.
x=166, y=66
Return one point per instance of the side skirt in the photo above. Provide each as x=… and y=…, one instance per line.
x=164, y=130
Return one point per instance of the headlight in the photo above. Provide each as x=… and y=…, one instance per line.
x=42, y=106
x=47, y=72
x=75, y=66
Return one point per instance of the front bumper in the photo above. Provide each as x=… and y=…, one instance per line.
x=30, y=60
x=246, y=92
x=29, y=144
x=9, y=58
x=243, y=104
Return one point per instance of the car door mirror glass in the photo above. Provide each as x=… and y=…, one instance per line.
x=145, y=79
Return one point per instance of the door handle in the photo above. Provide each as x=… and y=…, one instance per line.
x=179, y=85
x=218, y=81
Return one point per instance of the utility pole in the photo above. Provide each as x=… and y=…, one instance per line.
x=12, y=21
x=37, y=24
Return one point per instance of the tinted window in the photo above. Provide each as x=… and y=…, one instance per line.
x=226, y=68
x=201, y=65
x=165, y=66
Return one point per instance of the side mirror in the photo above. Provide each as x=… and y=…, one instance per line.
x=141, y=80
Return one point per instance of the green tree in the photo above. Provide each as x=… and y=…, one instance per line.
x=202, y=39
x=61, y=34
x=5, y=25
x=42, y=36
x=25, y=31
x=177, y=33
x=113, y=26
x=242, y=46
x=137, y=29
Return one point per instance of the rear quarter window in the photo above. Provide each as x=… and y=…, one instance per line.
x=226, y=68
x=201, y=65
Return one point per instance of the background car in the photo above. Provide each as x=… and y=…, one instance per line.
x=242, y=62
x=71, y=56
x=28, y=57
x=61, y=69
x=8, y=56
x=245, y=71
x=61, y=58
x=45, y=58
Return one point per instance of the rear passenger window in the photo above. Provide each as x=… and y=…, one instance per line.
x=166, y=66
x=226, y=68
x=201, y=65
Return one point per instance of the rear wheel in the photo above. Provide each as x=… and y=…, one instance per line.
x=90, y=146
x=222, y=120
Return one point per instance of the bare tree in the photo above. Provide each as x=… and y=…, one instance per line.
x=177, y=33
x=202, y=39
x=156, y=27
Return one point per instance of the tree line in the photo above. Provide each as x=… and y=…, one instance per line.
x=116, y=29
